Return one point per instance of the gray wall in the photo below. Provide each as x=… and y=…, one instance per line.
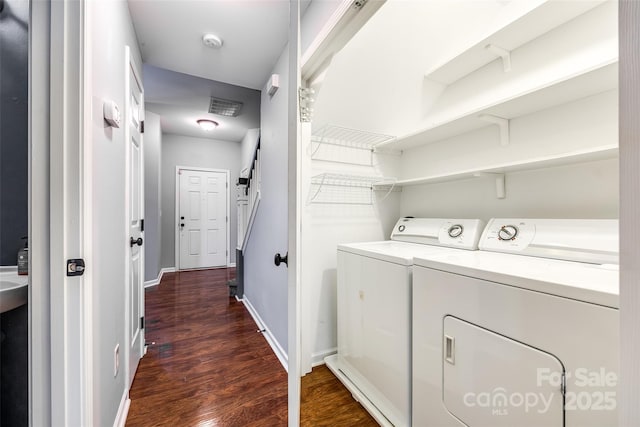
x=14, y=146
x=111, y=30
x=179, y=150
x=265, y=284
x=152, y=188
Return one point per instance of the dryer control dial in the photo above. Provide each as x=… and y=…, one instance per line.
x=507, y=232
x=455, y=230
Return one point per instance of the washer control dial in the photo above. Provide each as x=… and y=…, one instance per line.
x=507, y=232
x=401, y=228
x=455, y=230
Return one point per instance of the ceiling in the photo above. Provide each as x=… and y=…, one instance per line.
x=181, y=99
x=254, y=34
x=181, y=73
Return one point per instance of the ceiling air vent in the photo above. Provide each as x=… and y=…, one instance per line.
x=225, y=107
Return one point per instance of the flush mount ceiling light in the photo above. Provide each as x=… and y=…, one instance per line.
x=212, y=41
x=207, y=125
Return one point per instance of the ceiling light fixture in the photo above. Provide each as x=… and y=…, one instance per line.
x=212, y=41
x=207, y=125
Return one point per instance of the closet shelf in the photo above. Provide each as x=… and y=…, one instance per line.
x=541, y=17
x=334, y=188
x=598, y=79
x=351, y=138
x=345, y=180
x=579, y=156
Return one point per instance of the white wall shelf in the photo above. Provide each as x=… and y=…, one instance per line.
x=569, y=88
x=578, y=156
x=335, y=188
x=540, y=17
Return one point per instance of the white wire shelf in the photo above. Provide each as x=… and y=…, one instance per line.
x=344, y=145
x=352, y=138
x=334, y=188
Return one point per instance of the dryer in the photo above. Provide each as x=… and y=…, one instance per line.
x=523, y=332
x=374, y=311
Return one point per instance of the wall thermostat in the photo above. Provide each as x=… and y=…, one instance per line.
x=111, y=113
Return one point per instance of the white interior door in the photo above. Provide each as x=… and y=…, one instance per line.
x=135, y=288
x=202, y=218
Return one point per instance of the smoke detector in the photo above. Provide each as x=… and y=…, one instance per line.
x=212, y=41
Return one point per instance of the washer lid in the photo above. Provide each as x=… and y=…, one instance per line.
x=585, y=240
x=594, y=283
x=455, y=233
x=388, y=250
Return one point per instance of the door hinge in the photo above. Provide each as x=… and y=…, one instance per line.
x=75, y=267
x=142, y=224
x=305, y=99
x=142, y=322
x=142, y=126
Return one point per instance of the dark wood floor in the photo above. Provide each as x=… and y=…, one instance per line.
x=210, y=367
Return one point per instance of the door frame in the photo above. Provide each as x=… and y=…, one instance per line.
x=133, y=67
x=60, y=307
x=177, y=214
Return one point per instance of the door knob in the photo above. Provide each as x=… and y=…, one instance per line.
x=279, y=258
x=137, y=241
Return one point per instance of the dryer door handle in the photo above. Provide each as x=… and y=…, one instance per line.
x=450, y=349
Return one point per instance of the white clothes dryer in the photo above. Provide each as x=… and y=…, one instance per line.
x=374, y=311
x=523, y=332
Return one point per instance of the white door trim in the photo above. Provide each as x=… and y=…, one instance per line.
x=176, y=223
x=70, y=309
x=294, y=210
x=130, y=65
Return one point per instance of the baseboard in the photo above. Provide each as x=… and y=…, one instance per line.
x=275, y=346
x=231, y=265
x=317, y=359
x=123, y=410
x=156, y=281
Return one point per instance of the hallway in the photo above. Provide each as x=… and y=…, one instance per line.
x=208, y=366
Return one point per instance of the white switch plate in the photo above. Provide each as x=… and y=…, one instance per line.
x=111, y=113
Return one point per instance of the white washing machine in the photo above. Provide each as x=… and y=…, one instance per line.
x=374, y=311
x=523, y=332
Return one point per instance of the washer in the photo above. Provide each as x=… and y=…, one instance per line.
x=523, y=332
x=374, y=311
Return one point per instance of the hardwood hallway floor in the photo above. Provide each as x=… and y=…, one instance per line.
x=209, y=366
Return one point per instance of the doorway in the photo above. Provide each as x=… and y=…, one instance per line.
x=202, y=218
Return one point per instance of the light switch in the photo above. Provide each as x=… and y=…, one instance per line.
x=111, y=113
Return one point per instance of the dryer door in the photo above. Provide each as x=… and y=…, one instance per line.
x=491, y=381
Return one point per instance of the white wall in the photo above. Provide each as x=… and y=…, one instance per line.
x=152, y=192
x=265, y=285
x=179, y=150
x=111, y=30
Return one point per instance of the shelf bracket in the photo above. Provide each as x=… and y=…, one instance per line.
x=504, y=54
x=500, y=186
x=502, y=123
